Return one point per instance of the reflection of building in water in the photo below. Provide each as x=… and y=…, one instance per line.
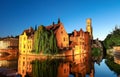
x=63, y=69
x=8, y=64
x=24, y=63
x=80, y=65
x=26, y=41
x=83, y=67
x=76, y=65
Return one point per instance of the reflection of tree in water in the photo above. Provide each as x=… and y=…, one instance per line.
x=112, y=65
x=97, y=55
x=46, y=68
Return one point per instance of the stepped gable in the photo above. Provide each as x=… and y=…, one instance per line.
x=29, y=31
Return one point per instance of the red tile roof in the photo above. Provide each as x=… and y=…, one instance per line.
x=54, y=27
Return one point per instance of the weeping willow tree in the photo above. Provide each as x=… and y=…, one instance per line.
x=45, y=41
x=46, y=68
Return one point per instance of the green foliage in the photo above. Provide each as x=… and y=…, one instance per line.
x=45, y=41
x=96, y=52
x=46, y=68
x=113, y=66
x=112, y=39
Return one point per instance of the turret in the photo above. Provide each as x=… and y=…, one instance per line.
x=58, y=20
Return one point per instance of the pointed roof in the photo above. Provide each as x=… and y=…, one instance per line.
x=29, y=31
x=54, y=27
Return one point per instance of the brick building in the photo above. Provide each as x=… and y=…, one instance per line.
x=80, y=41
x=60, y=34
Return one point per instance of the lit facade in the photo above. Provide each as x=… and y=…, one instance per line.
x=116, y=48
x=60, y=34
x=80, y=40
x=4, y=44
x=26, y=41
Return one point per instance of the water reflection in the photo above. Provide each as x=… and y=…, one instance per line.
x=8, y=65
x=113, y=62
x=81, y=65
x=117, y=59
x=42, y=66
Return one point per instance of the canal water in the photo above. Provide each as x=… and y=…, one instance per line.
x=69, y=66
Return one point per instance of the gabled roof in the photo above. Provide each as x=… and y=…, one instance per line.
x=53, y=27
x=29, y=31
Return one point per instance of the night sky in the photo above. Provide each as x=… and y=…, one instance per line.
x=17, y=15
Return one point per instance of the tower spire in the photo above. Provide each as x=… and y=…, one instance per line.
x=58, y=20
x=89, y=27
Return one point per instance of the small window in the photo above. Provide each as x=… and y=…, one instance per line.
x=23, y=63
x=64, y=70
x=61, y=32
x=64, y=39
x=24, y=46
x=22, y=71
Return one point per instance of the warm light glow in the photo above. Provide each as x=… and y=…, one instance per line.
x=0, y=54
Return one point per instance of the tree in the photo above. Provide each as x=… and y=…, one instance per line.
x=45, y=41
x=112, y=39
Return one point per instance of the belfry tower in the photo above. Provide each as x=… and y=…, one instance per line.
x=89, y=27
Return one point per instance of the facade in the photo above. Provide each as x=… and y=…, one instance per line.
x=77, y=38
x=60, y=34
x=9, y=43
x=80, y=40
x=26, y=41
x=116, y=48
x=4, y=44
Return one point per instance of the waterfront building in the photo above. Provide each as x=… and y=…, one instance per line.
x=26, y=41
x=60, y=34
x=116, y=48
x=9, y=43
x=4, y=44
x=81, y=40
